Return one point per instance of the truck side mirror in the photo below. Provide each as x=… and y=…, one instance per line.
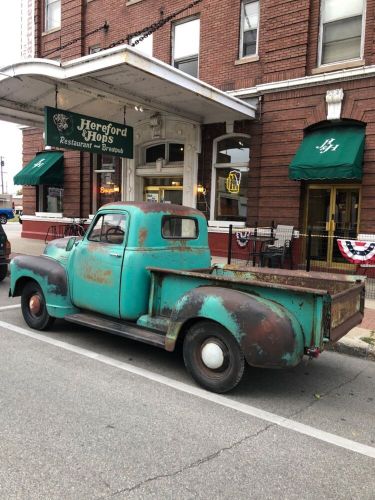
x=70, y=244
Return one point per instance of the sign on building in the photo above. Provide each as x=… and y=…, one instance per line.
x=67, y=130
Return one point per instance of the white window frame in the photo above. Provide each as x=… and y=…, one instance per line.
x=243, y=167
x=47, y=4
x=320, y=52
x=241, y=54
x=187, y=58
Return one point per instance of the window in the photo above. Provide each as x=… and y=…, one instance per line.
x=186, y=46
x=109, y=228
x=230, y=179
x=108, y=180
x=51, y=199
x=52, y=14
x=249, y=28
x=179, y=228
x=341, y=30
x=170, y=152
x=144, y=46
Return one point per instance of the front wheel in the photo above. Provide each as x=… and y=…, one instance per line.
x=33, y=305
x=213, y=357
x=3, y=219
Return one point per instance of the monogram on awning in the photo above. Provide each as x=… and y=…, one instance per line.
x=331, y=153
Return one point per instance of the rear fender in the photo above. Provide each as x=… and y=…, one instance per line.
x=51, y=277
x=267, y=333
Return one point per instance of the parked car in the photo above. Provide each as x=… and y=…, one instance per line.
x=6, y=214
x=4, y=253
x=142, y=271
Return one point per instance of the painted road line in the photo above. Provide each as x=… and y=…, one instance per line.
x=4, y=308
x=273, y=418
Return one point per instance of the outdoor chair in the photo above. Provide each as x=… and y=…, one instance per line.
x=274, y=250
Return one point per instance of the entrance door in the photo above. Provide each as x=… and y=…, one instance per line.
x=163, y=190
x=332, y=212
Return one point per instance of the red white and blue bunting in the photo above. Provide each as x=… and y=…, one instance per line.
x=357, y=252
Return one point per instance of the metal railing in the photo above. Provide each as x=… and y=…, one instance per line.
x=307, y=251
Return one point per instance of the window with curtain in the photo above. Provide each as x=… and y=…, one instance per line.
x=186, y=46
x=249, y=28
x=52, y=14
x=341, y=30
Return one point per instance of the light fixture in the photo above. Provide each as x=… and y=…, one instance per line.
x=201, y=189
x=138, y=108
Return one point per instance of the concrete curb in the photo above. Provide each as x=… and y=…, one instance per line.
x=353, y=345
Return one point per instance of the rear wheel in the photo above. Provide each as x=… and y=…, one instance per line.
x=3, y=272
x=34, y=308
x=213, y=357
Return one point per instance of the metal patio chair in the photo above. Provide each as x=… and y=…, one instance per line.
x=274, y=250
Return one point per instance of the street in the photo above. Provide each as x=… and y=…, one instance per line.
x=89, y=415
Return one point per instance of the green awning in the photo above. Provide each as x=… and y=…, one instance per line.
x=330, y=153
x=45, y=168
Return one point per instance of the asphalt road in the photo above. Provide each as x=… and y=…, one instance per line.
x=89, y=415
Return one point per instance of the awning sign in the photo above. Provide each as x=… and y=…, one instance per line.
x=67, y=130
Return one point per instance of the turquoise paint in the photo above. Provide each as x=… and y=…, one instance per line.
x=213, y=307
x=58, y=306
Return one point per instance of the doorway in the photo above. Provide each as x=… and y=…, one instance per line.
x=332, y=211
x=163, y=190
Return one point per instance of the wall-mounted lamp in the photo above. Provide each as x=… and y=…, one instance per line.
x=201, y=189
x=138, y=108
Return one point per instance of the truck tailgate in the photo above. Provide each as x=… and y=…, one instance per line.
x=347, y=308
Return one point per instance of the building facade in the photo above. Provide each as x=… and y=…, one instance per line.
x=305, y=66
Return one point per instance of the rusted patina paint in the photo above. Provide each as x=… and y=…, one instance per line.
x=263, y=329
x=95, y=275
x=143, y=232
x=147, y=207
x=50, y=270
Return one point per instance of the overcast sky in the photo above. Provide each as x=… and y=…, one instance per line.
x=10, y=49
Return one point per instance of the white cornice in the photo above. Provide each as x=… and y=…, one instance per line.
x=307, y=81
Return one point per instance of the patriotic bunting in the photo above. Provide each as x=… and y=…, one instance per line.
x=357, y=252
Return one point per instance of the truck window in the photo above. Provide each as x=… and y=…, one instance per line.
x=109, y=228
x=179, y=227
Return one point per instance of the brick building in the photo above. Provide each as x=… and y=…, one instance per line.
x=302, y=69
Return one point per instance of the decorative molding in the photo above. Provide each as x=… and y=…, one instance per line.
x=334, y=100
x=156, y=125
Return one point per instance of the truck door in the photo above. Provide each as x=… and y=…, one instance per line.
x=97, y=265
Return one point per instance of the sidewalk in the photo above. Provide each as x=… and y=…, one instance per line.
x=360, y=341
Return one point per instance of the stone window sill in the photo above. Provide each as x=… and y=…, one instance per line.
x=52, y=30
x=246, y=60
x=131, y=2
x=338, y=66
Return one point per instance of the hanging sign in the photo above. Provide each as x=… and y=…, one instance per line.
x=67, y=130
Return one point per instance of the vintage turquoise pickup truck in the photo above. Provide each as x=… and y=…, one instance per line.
x=143, y=271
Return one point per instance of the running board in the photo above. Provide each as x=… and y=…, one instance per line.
x=118, y=327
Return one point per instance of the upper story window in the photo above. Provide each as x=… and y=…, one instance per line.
x=341, y=30
x=52, y=14
x=145, y=45
x=186, y=46
x=249, y=28
x=229, y=182
x=169, y=152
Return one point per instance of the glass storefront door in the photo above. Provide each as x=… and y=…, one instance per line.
x=163, y=190
x=331, y=212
